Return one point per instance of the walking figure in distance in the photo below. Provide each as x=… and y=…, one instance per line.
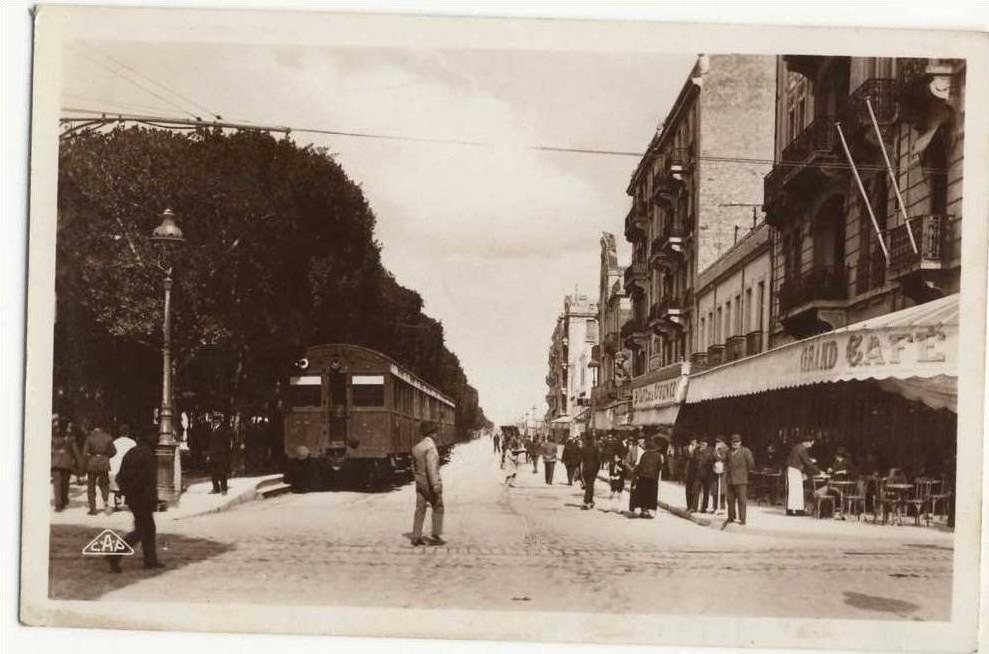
x=429, y=485
x=590, y=463
x=97, y=452
x=616, y=478
x=138, y=481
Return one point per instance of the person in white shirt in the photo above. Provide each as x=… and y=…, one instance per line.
x=123, y=443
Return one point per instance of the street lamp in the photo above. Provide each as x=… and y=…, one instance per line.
x=169, y=237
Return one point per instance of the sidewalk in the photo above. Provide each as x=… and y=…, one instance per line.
x=763, y=519
x=196, y=500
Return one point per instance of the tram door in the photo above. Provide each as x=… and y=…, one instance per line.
x=336, y=411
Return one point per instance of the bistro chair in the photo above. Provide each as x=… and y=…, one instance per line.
x=854, y=502
x=922, y=491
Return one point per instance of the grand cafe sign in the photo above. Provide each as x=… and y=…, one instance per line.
x=873, y=352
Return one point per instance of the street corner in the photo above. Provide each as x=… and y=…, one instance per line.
x=75, y=575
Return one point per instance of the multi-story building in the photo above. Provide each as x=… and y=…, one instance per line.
x=613, y=360
x=571, y=374
x=732, y=302
x=841, y=255
x=698, y=180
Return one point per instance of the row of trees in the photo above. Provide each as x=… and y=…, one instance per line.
x=279, y=254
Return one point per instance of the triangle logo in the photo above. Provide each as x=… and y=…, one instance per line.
x=108, y=543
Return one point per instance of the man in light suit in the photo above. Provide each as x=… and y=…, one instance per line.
x=429, y=485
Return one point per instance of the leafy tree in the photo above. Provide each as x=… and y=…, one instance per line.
x=279, y=254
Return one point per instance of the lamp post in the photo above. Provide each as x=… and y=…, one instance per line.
x=168, y=236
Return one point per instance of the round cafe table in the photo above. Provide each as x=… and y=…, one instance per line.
x=843, y=486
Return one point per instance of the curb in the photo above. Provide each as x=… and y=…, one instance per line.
x=249, y=494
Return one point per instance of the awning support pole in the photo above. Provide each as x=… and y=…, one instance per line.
x=865, y=197
x=892, y=177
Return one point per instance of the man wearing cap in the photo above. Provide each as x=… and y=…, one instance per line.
x=429, y=485
x=738, y=463
x=138, y=480
x=97, y=451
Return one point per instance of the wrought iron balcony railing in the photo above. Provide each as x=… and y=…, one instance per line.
x=818, y=283
x=930, y=234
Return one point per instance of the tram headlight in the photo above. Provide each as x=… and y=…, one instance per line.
x=302, y=363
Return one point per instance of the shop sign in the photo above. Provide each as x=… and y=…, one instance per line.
x=659, y=394
x=873, y=350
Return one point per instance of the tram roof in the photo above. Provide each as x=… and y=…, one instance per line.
x=385, y=358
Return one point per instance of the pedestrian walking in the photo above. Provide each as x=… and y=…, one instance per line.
x=738, y=464
x=220, y=445
x=123, y=443
x=616, y=480
x=690, y=475
x=429, y=485
x=704, y=464
x=798, y=466
x=96, y=452
x=497, y=443
x=646, y=477
x=632, y=456
x=65, y=460
x=549, y=459
x=571, y=460
x=138, y=480
x=534, y=449
x=514, y=449
x=590, y=464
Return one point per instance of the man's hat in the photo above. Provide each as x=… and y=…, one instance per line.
x=735, y=438
x=427, y=427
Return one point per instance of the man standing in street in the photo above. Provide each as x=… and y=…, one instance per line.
x=124, y=443
x=220, y=443
x=64, y=461
x=549, y=459
x=96, y=452
x=429, y=485
x=590, y=463
x=690, y=476
x=738, y=463
x=138, y=481
x=704, y=464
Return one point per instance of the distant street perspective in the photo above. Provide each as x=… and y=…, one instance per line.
x=529, y=546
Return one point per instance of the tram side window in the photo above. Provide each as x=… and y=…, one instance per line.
x=305, y=395
x=367, y=390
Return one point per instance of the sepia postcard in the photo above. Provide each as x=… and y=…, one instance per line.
x=505, y=329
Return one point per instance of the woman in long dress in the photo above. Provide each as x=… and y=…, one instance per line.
x=647, y=479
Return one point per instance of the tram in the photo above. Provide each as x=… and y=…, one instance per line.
x=352, y=408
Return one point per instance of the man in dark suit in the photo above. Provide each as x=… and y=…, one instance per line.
x=138, y=481
x=97, y=451
x=704, y=472
x=220, y=444
x=590, y=463
x=690, y=475
x=738, y=463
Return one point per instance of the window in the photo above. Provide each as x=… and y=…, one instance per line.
x=738, y=315
x=761, y=298
x=702, y=335
x=749, y=310
x=592, y=331
x=727, y=320
x=717, y=328
x=367, y=390
x=305, y=395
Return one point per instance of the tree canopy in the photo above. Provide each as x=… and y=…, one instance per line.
x=279, y=255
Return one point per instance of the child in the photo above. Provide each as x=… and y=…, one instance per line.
x=616, y=476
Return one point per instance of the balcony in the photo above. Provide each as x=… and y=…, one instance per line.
x=604, y=393
x=667, y=315
x=667, y=249
x=636, y=222
x=856, y=121
x=827, y=283
x=920, y=273
x=753, y=343
x=633, y=333
x=814, y=301
x=612, y=342
x=636, y=278
x=734, y=348
x=805, y=163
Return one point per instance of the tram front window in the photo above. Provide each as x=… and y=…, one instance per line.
x=367, y=390
x=302, y=395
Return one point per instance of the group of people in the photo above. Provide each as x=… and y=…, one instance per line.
x=99, y=459
x=723, y=468
x=637, y=460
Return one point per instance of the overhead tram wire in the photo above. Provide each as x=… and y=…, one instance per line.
x=165, y=122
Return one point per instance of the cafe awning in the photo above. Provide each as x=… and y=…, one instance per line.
x=913, y=352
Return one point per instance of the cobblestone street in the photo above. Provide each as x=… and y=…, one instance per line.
x=526, y=547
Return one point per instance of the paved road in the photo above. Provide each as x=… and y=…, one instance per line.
x=525, y=547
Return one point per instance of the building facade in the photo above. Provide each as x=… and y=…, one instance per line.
x=698, y=181
x=572, y=374
x=609, y=398
x=732, y=302
x=842, y=255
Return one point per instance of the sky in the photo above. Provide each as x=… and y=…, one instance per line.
x=492, y=237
